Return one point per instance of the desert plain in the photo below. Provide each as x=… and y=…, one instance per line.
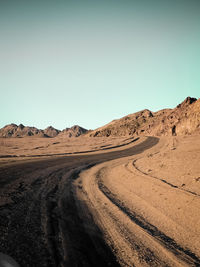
x=131, y=200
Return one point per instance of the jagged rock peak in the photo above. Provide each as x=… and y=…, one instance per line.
x=51, y=131
x=74, y=131
x=10, y=125
x=51, y=128
x=188, y=101
x=77, y=127
x=21, y=126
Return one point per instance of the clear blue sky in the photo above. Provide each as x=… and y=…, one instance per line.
x=89, y=62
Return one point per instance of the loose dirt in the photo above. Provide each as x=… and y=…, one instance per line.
x=120, y=206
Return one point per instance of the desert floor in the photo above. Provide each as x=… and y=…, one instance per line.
x=100, y=201
x=32, y=146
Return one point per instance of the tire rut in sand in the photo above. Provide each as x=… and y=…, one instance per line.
x=164, y=180
x=43, y=222
x=184, y=254
x=126, y=242
x=82, y=240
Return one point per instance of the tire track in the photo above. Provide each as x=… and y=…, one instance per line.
x=43, y=223
x=164, y=181
x=184, y=254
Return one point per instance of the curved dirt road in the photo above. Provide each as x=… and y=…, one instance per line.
x=51, y=216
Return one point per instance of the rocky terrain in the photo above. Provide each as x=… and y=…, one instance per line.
x=13, y=130
x=182, y=120
x=74, y=131
x=51, y=131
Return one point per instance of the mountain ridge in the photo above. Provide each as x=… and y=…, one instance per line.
x=14, y=130
x=184, y=119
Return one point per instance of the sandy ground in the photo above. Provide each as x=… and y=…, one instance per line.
x=32, y=146
x=134, y=204
x=14, y=150
x=148, y=205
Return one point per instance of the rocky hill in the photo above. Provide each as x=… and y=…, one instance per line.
x=183, y=119
x=74, y=131
x=13, y=130
x=51, y=131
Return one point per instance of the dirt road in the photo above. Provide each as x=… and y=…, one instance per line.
x=52, y=216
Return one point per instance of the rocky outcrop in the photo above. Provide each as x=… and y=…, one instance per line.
x=190, y=121
x=188, y=101
x=184, y=119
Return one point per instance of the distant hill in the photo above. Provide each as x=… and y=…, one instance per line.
x=183, y=119
x=51, y=131
x=74, y=131
x=13, y=130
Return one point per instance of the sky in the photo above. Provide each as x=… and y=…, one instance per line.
x=88, y=62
